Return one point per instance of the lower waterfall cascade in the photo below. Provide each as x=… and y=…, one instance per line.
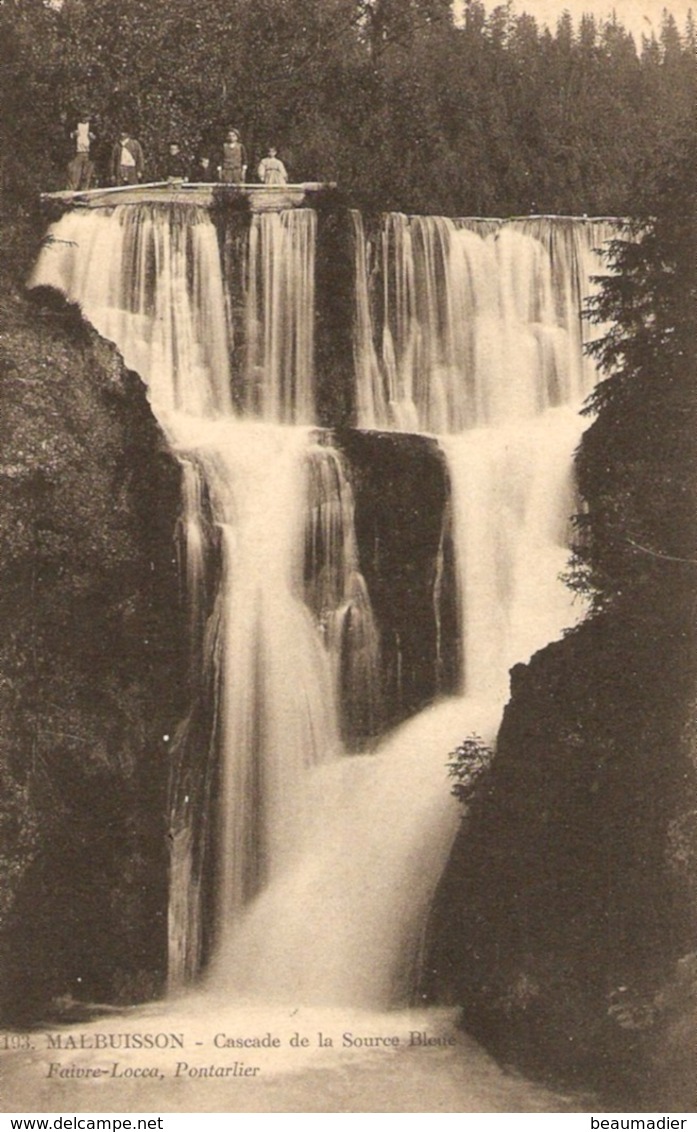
x=303, y=866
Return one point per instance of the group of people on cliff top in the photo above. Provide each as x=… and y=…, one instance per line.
x=227, y=165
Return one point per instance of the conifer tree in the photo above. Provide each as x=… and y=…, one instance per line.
x=638, y=461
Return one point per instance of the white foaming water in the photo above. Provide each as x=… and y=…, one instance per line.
x=162, y=301
x=479, y=323
x=338, y=596
x=149, y=280
x=279, y=366
x=278, y=712
x=275, y=682
x=326, y=864
x=342, y=928
x=513, y=496
x=479, y=339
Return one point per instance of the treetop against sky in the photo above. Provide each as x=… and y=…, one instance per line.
x=640, y=17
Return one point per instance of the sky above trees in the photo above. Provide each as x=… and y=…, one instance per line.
x=639, y=17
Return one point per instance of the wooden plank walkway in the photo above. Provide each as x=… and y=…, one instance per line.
x=261, y=198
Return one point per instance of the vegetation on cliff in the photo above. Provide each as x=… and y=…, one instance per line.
x=637, y=462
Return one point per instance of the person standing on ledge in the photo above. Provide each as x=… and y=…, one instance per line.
x=203, y=172
x=177, y=163
x=271, y=169
x=234, y=167
x=127, y=161
x=81, y=168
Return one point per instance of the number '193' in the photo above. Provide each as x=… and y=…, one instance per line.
x=15, y=1041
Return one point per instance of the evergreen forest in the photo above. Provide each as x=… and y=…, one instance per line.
x=406, y=110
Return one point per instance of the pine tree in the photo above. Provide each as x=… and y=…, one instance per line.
x=638, y=461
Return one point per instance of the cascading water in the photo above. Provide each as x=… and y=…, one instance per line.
x=477, y=336
x=281, y=509
x=272, y=727
x=153, y=286
x=472, y=322
x=268, y=729
x=337, y=594
x=280, y=301
x=465, y=329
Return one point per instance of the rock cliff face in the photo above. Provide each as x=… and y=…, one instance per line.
x=93, y=639
x=566, y=903
x=402, y=495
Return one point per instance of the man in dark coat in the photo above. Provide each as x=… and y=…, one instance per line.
x=177, y=163
x=127, y=160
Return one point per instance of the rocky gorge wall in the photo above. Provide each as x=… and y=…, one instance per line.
x=93, y=635
x=568, y=899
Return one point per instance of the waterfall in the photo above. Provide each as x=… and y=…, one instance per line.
x=149, y=279
x=513, y=497
x=471, y=324
x=273, y=727
x=480, y=342
x=337, y=594
x=298, y=873
x=472, y=330
x=290, y=634
x=279, y=364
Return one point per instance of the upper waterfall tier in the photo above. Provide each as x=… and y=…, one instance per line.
x=150, y=278
x=457, y=324
x=469, y=323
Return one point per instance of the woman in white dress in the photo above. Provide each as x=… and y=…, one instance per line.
x=271, y=170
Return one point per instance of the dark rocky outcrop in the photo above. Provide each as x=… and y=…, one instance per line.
x=335, y=296
x=92, y=642
x=402, y=496
x=566, y=903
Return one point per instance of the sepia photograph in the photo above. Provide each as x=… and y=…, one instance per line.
x=348, y=558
